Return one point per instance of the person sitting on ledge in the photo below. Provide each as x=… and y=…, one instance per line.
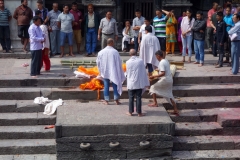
x=109, y=65
x=137, y=81
x=163, y=87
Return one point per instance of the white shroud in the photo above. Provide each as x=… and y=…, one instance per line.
x=110, y=66
x=149, y=46
x=136, y=74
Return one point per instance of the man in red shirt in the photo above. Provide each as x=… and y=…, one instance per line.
x=209, y=27
x=78, y=16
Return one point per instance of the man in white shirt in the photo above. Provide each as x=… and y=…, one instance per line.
x=137, y=81
x=142, y=33
x=149, y=46
x=110, y=69
x=163, y=87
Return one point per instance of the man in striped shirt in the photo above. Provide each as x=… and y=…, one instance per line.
x=5, y=17
x=159, y=24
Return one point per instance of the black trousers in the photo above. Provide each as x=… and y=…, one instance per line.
x=131, y=95
x=36, y=62
x=214, y=47
x=126, y=45
x=5, y=38
x=221, y=53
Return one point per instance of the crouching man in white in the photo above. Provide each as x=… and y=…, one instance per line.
x=163, y=87
x=110, y=69
x=137, y=81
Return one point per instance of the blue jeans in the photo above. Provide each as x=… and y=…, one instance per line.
x=55, y=41
x=187, y=44
x=136, y=45
x=106, y=90
x=91, y=40
x=199, y=51
x=150, y=67
x=235, y=49
x=63, y=37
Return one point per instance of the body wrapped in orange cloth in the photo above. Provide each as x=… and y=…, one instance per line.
x=94, y=84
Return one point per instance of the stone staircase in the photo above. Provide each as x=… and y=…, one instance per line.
x=208, y=126
x=22, y=133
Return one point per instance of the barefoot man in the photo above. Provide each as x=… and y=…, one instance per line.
x=149, y=46
x=163, y=87
x=137, y=81
x=110, y=69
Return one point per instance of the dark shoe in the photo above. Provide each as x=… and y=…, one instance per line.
x=4, y=51
x=218, y=66
x=10, y=51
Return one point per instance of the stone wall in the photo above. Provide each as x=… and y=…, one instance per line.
x=12, y=5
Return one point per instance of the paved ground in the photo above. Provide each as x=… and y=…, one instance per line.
x=12, y=68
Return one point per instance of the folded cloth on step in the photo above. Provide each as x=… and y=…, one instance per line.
x=50, y=108
x=41, y=100
x=81, y=74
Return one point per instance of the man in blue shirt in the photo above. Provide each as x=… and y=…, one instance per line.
x=229, y=22
x=5, y=17
x=235, y=32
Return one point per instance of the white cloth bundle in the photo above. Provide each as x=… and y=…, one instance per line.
x=81, y=75
x=41, y=100
x=50, y=108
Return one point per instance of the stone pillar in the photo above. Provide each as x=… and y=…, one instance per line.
x=12, y=5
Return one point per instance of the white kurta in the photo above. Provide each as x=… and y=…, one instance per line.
x=127, y=37
x=44, y=29
x=110, y=66
x=163, y=87
x=149, y=46
x=136, y=74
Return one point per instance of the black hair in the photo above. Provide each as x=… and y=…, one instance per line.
x=65, y=5
x=159, y=53
x=199, y=12
x=229, y=1
x=22, y=1
x=108, y=11
x=159, y=10
x=138, y=10
x=128, y=21
x=149, y=29
x=237, y=15
x=220, y=14
x=229, y=6
x=74, y=4
x=38, y=12
x=36, y=18
x=148, y=19
x=191, y=17
x=40, y=1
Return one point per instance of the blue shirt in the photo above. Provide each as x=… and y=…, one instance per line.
x=235, y=29
x=36, y=37
x=4, y=15
x=228, y=20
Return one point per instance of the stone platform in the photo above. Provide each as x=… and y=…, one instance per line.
x=100, y=124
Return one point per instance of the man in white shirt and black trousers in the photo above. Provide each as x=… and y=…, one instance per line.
x=137, y=81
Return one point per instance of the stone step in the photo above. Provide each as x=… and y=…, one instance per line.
x=208, y=102
x=26, y=132
x=196, y=115
x=27, y=146
x=58, y=81
x=183, y=143
x=67, y=93
x=198, y=129
x=29, y=157
x=23, y=119
x=207, y=154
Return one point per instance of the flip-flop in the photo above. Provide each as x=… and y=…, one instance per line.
x=25, y=64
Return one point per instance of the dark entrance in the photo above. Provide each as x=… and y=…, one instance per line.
x=129, y=7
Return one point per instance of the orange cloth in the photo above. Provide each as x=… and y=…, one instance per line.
x=94, y=84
